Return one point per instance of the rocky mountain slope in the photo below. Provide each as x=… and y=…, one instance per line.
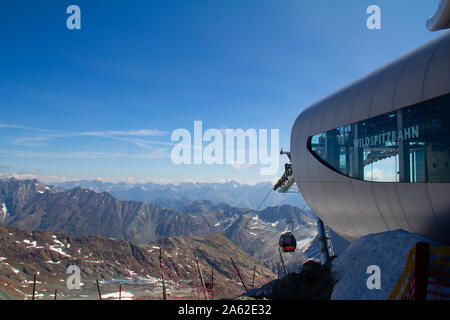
x=78, y=212
x=30, y=205
x=111, y=261
x=258, y=233
x=313, y=282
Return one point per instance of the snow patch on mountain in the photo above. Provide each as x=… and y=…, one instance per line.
x=124, y=295
x=3, y=212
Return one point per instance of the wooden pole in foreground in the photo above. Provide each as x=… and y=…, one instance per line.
x=162, y=274
x=34, y=286
x=282, y=262
x=239, y=274
x=212, y=283
x=201, y=277
x=120, y=292
x=99, y=293
x=56, y=293
x=253, y=281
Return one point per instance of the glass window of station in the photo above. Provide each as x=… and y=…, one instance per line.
x=407, y=145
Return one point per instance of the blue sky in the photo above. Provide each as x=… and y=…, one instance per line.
x=101, y=102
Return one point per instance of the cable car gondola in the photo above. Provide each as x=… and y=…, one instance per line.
x=287, y=242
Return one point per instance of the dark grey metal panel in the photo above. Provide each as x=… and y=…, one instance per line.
x=383, y=98
x=301, y=169
x=410, y=85
x=311, y=192
x=317, y=118
x=439, y=194
x=343, y=114
x=296, y=131
x=313, y=171
x=332, y=198
x=441, y=19
x=437, y=81
x=329, y=115
x=313, y=119
x=368, y=206
x=348, y=201
x=305, y=123
x=349, y=236
x=325, y=205
x=325, y=174
x=320, y=207
x=305, y=190
x=415, y=203
x=336, y=209
x=361, y=106
x=389, y=205
x=295, y=153
x=340, y=178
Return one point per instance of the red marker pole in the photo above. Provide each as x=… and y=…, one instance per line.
x=201, y=277
x=239, y=274
x=162, y=274
x=253, y=281
x=99, y=293
x=34, y=287
x=212, y=283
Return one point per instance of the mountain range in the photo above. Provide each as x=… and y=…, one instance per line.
x=30, y=205
x=173, y=196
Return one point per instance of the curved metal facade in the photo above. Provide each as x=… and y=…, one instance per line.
x=354, y=208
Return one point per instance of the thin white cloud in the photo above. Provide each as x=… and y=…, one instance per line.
x=157, y=154
x=137, y=137
x=239, y=167
x=39, y=140
x=15, y=126
x=139, y=133
x=146, y=144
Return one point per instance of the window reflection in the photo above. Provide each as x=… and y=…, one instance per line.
x=408, y=145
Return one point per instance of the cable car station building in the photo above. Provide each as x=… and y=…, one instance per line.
x=375, y=156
